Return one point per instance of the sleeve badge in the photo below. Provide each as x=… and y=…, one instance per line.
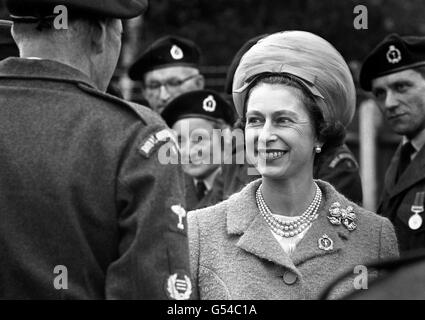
x=179, y=287
x=156, y=140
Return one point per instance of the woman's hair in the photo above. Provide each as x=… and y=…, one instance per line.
x=330, y=134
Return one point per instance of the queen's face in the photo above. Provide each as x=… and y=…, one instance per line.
x=279, y=133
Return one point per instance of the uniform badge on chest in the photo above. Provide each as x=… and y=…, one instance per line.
x=415, y=221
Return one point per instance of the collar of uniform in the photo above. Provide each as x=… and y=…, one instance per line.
x=209, y=181
x=42, y=69
x=417, y=142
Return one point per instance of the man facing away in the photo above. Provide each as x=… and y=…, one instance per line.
x=86, y=211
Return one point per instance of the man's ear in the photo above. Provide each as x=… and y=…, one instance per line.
x=200, y=82
x=98, y=36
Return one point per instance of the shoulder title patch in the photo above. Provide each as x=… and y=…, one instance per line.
x=342, y=156
x=156, y=140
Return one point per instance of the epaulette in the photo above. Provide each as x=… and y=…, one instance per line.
x=156, y=138
x=343, y=156
x=144, y=113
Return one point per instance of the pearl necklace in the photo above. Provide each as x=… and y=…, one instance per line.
x=289, y=229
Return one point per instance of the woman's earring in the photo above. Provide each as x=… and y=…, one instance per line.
x=318, y=149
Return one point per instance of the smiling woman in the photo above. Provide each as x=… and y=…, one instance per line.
x=274, y=126
x=286, y=235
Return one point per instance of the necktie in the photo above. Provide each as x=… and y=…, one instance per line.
x=200, y=189
x=406, y=152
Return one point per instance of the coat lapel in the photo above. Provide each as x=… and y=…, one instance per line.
x=244, y=219
x=413, y=173
x=308, y=248
x=390, y=176
x=259, y=240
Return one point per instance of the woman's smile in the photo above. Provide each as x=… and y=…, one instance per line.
x=271, y=154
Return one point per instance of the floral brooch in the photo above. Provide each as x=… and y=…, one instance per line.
x=338, y=215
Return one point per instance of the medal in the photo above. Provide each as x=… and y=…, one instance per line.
x=415, y=221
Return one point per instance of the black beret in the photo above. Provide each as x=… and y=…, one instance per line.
x=393, y=54
x=207, y=104
x=120, y=9
x=8, y=48
x=235, y=62
x=167, y=51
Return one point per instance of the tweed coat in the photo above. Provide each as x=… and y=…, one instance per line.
x=235, y=256
x=398, y=198
x=82, y=187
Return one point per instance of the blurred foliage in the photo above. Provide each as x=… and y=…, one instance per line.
x=220, y=27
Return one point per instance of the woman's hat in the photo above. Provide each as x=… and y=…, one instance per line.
x=312, y=60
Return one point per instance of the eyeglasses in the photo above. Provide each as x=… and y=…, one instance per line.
x=169, y=84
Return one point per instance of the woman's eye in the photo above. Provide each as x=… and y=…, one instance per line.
x=284, y=120
x=253, y=120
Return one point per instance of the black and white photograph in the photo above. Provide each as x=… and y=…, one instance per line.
x=227, y=154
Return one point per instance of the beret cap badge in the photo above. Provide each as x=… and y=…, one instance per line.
x=393, y=55
x=176, y=53
x=209, y=104
x=206, y=104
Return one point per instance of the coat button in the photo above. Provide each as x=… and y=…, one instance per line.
x=290, y=277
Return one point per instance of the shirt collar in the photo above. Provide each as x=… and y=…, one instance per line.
x=417, y=142
x=24, y=68
x=209, y=181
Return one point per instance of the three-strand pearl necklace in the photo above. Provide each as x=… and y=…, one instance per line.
x=289, y=229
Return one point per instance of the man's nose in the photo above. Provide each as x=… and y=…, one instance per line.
x=163, y=93
x=390, y=100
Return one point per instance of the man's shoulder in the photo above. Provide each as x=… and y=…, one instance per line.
x=139, y=112
x=340, y=157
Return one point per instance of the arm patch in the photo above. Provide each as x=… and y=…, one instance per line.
x=155, y=140
x=343, y=156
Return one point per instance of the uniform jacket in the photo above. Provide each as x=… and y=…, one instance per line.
x=82, y=188
x=235, y=256
x=212, y=197
x=398, y=198
x=336, y=166
x=339, y=167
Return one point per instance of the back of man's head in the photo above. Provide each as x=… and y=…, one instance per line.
x=83, y=34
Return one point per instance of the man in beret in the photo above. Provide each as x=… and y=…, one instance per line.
x=199, y=119
x=395, y=73
x=337, y=165
x=168, y=68
x=86, y=208
x=8, y=46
